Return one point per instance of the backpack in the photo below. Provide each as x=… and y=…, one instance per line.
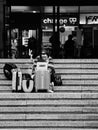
x=57, y=80
x=7, y=69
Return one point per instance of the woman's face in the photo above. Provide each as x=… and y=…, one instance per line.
x=44, y=56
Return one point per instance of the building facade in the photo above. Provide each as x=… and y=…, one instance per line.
x=20, y=20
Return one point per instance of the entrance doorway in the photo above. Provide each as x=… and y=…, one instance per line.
x=23, y=26
x=20, y=42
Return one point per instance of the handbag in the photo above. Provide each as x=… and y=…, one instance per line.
x=57, y=80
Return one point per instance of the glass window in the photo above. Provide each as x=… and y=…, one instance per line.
x=33, y=9
x=48, y=9
x=68, y=9
x=87, y=9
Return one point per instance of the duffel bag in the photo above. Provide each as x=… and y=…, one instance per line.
x=7, y=69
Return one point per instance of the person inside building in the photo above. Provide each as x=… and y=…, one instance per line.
x=54, y=40
x=32, y=46
x=69, y=47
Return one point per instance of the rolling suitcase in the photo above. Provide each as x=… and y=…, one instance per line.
x=27, y=83
x=42, y=77
x=16, y=80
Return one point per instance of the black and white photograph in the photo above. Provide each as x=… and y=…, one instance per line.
x=48, y=64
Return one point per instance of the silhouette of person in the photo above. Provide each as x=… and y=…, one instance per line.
x=32, y=45
x=54, y=39
x=69, y=47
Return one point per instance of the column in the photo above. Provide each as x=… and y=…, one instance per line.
x=1, y=28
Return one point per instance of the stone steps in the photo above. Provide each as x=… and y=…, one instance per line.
x=72, y=106
x=74, y=72
x=48, y=110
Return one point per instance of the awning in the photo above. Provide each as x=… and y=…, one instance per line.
x=52, y=2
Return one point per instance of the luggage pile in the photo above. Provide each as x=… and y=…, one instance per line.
x=38, y=81
x=42, y=78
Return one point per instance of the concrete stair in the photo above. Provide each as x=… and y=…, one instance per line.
x=73, y=106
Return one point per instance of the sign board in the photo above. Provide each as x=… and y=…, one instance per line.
x=89, y=18
x=68, y=21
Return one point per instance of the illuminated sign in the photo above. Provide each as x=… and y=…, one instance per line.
x=91, y=19
x=62, y=21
